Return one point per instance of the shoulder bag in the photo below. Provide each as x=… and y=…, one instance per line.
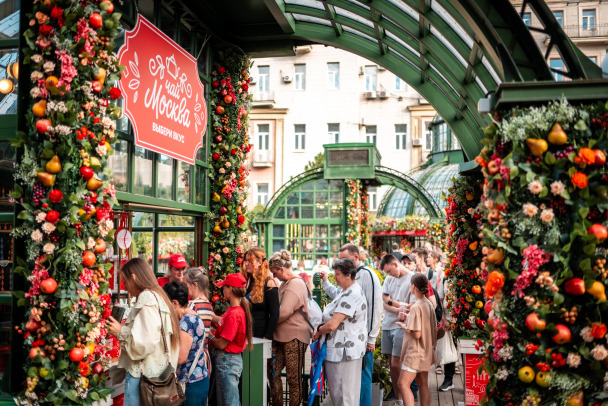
x=166, y=389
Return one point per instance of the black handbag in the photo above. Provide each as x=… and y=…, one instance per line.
x=166, y=389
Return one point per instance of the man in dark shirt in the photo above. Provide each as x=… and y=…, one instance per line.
x=396, y=252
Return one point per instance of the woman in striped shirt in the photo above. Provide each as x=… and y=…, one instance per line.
x=198, y=290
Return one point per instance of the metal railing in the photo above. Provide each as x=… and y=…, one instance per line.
x=580, y=31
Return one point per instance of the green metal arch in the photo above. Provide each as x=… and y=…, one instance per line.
x=385, y=175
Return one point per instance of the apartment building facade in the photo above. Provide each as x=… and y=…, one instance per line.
x=323, y=95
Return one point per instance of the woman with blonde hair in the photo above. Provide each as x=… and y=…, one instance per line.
x=234, y=332
x=141, y=337
x=262, y=292
x=292, y=334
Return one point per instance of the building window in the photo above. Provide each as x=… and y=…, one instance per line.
x=559, y=65
x=442, y=137
x=333, y=131
x=372, y=198
x=300, y=77
x=527, y=17
x=593, y=59
x=300, y=137
x=428, y=136
x=371, y=78
x=333, y=75
x=400, y=84
x=264, y=81
x=588, y=19
x=370, y=133
x=400, y=136
x=559, y=16
x=261, y=151
x=262, y=193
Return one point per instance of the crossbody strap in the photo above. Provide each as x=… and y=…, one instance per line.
x=195, y=362
x=162, y=329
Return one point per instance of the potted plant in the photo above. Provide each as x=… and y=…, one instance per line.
x=381, y=375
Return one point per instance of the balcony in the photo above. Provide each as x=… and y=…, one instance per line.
x=579, y=31
x=263, y=98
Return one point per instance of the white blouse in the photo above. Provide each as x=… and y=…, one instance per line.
x=141, y=346
x=348, y=341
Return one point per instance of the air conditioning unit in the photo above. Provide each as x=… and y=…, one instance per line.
x=287, y=79
x=370, y=95
x=383, y=94
x=417, y=142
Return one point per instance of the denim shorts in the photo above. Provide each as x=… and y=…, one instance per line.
x=392, y=341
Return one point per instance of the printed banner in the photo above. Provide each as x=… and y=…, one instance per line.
x=474, y=383
x=163, y=95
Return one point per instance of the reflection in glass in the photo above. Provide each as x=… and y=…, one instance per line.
x=143, y=219
x=142, y=182
x=307, y=212
x=321, y=211
x=278, y=230
x=170, y=220
x=293, y=212
x=293, y=198
x=280, y=213
x=174, y=242
x=335, y=231
x=9, y=71
x=9, y=19
x=142, y=245
x=200, y=185
x=321, y=231
x=165, y=177
x=307, y=197
x=278, y=245
x=321, y=246
x=119, y=164
x=184, y=175
x=335, y=211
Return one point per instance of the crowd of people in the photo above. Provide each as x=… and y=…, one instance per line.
x=269, y=300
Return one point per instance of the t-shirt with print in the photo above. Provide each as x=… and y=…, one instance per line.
x=193, y=325
x=397, y=289
x=348, y=341
x=233, y=327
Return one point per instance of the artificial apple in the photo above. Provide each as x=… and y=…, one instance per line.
x=563, y=334
x=476, y=289
x=88, y=258
x=223, y=210
x=51, y=82
x=557, y=135
x=599, y=231
x=220, y=110
x=526, y=374
x=600, y=157
x=493, y=167
x=35, y=352
x=107, y=5
x=535, y=323
x=100, y=245
x=76, y=354
x=43, y=125
x=39, y=108
x=95, y=20
x=227, y=99
x=46, y=178
x=97, y=86
x=48, y=286
x=86, y=172
x=53, y=165
x=97, y=369
x=575, y=286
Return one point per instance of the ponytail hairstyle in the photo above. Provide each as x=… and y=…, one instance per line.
x=241, y=292
x=145, y=280
x=421, y=282
x=259, y=281
x=281, y=259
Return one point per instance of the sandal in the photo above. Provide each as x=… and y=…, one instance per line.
x=457, y=371
x=438, y=370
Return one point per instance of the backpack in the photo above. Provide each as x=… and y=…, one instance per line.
x=438, y=308
x=315, y=313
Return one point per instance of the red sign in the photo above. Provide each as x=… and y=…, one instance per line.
x=408, y=232
x=474, y=383
x=163, y=95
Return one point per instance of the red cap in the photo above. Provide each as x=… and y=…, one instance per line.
x=177, y=261
x=234, y=279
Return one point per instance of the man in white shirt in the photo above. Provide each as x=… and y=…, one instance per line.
x=370, y=284
x=394, y=289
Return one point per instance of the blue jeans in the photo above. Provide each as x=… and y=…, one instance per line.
x=228, y=369
x=197, y=392
x=365, y=399
x=131, y=390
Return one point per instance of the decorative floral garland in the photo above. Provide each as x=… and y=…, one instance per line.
x=466, y=277
x=353, y=219
x=437, y=234
x=545, y=228
x=365, y=227
x=407, y=223
x=230, y=104
x=62, y=184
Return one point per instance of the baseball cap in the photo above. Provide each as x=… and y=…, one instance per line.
x=177, y=261
x=411, y=257
x=234, y=279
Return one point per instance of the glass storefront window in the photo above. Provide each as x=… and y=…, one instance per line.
x=9, y=72
x=184, y=175
x=165, y=177
x=142, y=181
x=169, y=220
x=143, y=219
x=119, y=164
x=143, y=246
x=174, y=242
x=200, y=185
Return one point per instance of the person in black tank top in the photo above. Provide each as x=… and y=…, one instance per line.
x=262, y=292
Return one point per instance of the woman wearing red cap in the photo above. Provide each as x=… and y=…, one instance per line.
x=234, y=331
x=177, y=265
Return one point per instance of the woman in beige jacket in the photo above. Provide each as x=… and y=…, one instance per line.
x=292, y=334
x=141, y=344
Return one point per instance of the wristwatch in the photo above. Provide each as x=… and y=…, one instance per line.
x=390, y=302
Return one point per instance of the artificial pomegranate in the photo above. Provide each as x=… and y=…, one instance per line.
x=534, y=323
x=48, y=286
x=76, y=354
x=599, y=231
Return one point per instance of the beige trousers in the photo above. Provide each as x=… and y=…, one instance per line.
x=344, y=382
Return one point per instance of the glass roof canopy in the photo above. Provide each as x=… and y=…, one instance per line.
x=453, y=52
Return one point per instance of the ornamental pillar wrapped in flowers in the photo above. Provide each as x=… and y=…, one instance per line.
x=65, y=219
x=230, y=104
x=545, y=210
